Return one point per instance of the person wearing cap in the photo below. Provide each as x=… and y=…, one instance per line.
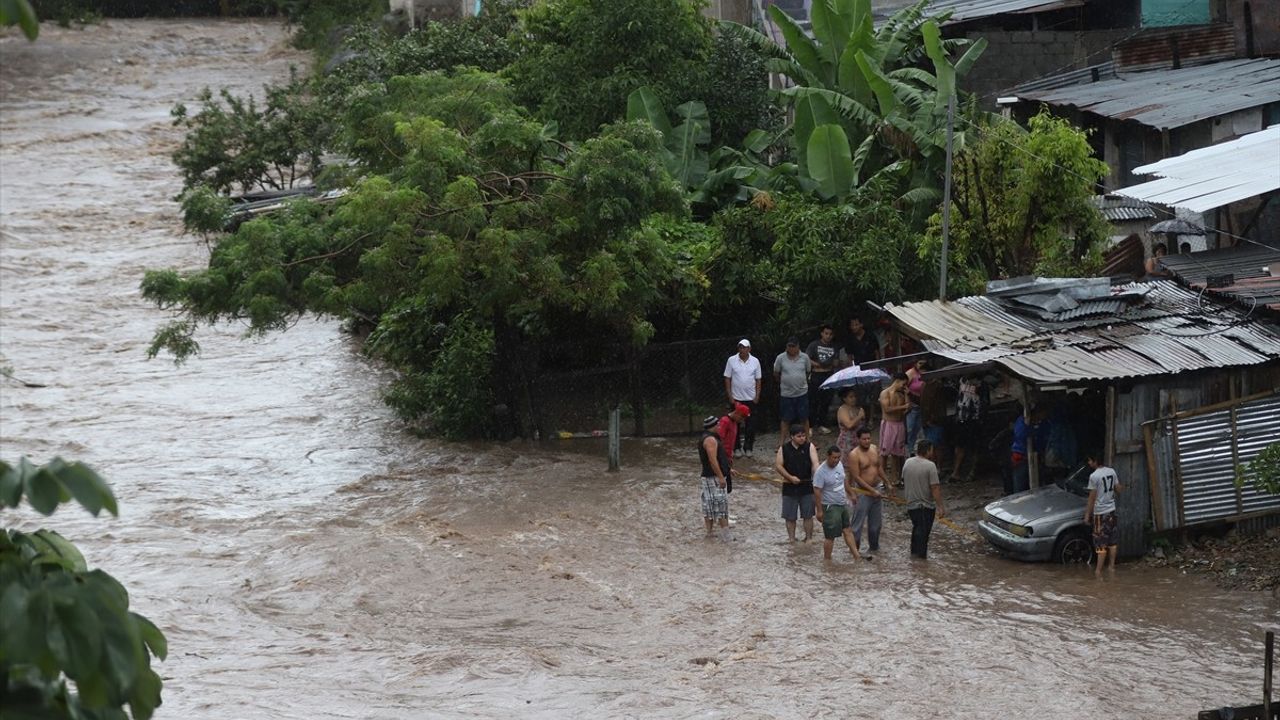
x=715, y=477
x=727, y=429
x=742, y=375
x=791, y=370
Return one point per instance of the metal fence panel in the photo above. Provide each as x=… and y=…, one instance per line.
x=1208, y=471
x=1257, y=426
x=1208, y=451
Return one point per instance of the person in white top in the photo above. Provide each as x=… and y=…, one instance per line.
x=742, y=385
x=1100, y=511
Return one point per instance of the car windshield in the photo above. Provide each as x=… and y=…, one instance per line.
x=1077, y=483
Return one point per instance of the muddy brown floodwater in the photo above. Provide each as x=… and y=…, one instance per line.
x=307, y=559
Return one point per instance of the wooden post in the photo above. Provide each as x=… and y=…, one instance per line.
x=615, y=439
x=1176, y=457
x=1157, y=497
x=1033, y=452
x=1266, y=675
x=1110, y=423
x=1235, y=464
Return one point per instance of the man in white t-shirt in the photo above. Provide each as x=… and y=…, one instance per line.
x=1100, y=511
x=742, y=385
x=833, y=497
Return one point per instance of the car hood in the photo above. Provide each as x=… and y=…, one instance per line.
x=1032, y=506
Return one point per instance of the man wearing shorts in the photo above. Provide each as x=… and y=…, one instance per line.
x=866, y=478
x=832, y=499
x=893, y=428
x=1100, y=511
x=795, y=462
x=791, y=370
x=715, y=472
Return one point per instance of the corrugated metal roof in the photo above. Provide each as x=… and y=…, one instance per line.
x=1118, y=208
x=1166, y=99
x=1214, y=176
x=1253, y=285
x=1171, y=330
x=966, y=10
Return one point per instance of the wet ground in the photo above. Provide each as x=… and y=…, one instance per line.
x=307, y=559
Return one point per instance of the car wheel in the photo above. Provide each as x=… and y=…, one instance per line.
x=1074, y=547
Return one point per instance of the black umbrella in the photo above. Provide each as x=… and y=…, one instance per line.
x=1176, y=227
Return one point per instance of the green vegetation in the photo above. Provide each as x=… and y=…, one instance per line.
x=1264, y=470
x=20, y=13
x=578, y=60
x=1021, y=205
x=61, y=623
x=863, y=104
x=611, y=169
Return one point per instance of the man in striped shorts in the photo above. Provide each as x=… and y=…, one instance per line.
x=715, y=472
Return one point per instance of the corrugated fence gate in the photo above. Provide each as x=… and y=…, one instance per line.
x=1195, y=457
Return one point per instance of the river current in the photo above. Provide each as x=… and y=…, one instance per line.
x=307, y=558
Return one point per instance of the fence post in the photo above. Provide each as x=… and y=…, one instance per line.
x=1266, y=674
x=615, y=440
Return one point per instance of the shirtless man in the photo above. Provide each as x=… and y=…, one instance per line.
x=866, y=477
x=893, y=428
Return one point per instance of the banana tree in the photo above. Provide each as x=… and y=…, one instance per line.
x=868, y=82
x=711, y=178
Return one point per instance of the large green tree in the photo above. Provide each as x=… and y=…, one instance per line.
x=1022, y=204
x=579, y=59
x=472, y=234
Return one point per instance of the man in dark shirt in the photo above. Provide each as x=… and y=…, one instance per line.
x=795, y=462
x=823, y=353
x=861, y=346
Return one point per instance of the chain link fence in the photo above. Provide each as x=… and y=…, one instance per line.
x=662, y=389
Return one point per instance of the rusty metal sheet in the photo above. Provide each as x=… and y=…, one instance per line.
x=1195, y=44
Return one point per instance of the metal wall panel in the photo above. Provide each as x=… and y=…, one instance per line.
x=1208, y=473
x=1257, y=426
x=1208, y=451
x=1130, y=463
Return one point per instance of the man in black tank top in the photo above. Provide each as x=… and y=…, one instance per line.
x=715, y=476
x=795, y=462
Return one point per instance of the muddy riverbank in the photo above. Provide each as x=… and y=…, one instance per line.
x=308, y=559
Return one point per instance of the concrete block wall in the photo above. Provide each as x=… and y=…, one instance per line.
x=1016, y=56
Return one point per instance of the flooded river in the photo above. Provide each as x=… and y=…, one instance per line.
x=307, y=559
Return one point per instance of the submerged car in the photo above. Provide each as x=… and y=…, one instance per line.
x=1046, y=523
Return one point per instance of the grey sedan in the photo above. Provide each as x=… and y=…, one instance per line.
x=1046, y=523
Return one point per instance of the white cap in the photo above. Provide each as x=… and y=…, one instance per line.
x=744, y=343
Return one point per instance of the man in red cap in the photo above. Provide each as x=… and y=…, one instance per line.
x=727, y=429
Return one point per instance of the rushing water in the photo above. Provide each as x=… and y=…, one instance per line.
x=307, y=559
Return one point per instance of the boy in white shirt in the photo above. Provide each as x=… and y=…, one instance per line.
x=1100, y=511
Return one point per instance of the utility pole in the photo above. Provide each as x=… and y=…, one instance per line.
x=946, y=198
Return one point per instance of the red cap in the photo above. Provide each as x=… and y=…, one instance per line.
x=742, y=410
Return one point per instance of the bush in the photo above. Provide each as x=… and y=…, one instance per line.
x=370, y=55
x=580, y=59
x=735, y=89
x=232, y=145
